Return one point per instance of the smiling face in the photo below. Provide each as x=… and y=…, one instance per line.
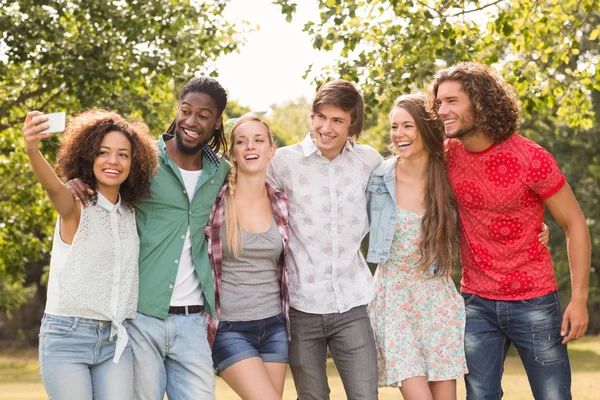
x=252, y=147
x=405, y=136
x=455, y=109
x=113, y=162
x=196, y=120
x=331, y=127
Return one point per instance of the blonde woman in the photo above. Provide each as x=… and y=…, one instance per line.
x=247, y=240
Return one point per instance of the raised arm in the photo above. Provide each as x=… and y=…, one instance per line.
x=564, y=208
x=59, y=195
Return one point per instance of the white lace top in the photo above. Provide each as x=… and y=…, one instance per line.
x=96, y=277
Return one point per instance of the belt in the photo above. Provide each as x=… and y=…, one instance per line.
x=186, y=309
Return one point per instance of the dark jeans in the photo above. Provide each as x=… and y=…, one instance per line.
x=350, y=339
x=533, y=326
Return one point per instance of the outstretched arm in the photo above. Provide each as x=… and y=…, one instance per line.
x=59, y=195
x=564, y=208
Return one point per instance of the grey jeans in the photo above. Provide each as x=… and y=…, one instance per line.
x=349, y=337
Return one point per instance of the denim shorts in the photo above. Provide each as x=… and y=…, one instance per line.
x=237, y=340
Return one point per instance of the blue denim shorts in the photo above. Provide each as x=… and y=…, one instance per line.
x=237, y=340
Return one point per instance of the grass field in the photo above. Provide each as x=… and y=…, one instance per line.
x=20, y=380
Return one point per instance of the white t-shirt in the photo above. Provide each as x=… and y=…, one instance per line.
x=96, y=276
x=188, y=290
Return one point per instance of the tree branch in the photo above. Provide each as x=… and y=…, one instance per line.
x=429, y=7
x=477, y=9
x=17, y=120
x=24, y=96
x=588, y=14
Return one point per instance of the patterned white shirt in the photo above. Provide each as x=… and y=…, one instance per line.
x=96, y=276
x=327, y=222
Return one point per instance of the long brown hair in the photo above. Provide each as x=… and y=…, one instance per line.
x=234, y=234
x=439, y=222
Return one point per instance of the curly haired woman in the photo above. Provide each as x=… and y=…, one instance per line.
x=93, y=285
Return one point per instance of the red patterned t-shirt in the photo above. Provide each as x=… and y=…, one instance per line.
x=500, y=194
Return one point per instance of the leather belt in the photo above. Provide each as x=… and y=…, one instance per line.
x=186, y=309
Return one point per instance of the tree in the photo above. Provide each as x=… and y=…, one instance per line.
x=547, y=49
x=290, y=121
x=234, y=110
x=392, y=47
x=71, y=55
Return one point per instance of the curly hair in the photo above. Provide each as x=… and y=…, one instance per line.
x=496, y=106
x=212, y=88
x=80, y=145
x=439, y=222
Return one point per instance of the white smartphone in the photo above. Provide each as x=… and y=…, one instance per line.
x=56, y=123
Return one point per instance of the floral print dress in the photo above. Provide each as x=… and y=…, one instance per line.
x=419, y=321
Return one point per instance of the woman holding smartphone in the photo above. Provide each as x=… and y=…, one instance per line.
x=93, y=286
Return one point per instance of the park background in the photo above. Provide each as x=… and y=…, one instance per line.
x=133, y=57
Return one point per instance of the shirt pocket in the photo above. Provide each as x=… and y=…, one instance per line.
x=379, y=195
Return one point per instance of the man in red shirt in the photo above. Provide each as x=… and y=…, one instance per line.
x=502, y=182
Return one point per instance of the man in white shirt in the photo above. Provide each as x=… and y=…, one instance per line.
x=325, y=177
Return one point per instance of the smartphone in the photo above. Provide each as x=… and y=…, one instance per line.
x=56, y=123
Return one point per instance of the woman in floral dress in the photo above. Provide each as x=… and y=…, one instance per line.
x=417, y=315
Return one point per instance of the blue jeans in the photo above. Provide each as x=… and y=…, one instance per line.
x=533, y=326
x=76, y=360
x=237, y=340
x=171, y=355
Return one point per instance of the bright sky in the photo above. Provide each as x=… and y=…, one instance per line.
x=270, y=66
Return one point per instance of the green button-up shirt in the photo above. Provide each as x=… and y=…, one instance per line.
x=162, y=223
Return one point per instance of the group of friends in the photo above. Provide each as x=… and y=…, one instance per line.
x=196, y=254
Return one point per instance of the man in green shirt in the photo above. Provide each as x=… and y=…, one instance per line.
x=169, y=334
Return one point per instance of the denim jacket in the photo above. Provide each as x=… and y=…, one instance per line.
x=381, y=205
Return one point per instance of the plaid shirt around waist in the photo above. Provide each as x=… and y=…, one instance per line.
x=279, y=205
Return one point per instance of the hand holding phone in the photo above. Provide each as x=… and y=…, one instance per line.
x=55, y=122
x=39, y=126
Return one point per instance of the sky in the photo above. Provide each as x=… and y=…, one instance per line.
x=269, y=68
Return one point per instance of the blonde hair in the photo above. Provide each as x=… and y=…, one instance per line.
x=234, y=234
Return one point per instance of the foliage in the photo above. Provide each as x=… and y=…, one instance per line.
x=548, y=50
x=234, y=110
x=290, y=121
x=71, y=55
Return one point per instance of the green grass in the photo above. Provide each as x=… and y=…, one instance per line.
x=20, y=379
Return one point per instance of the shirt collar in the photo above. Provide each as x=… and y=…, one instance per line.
x=107, y=205
x=309, y=147
x=207, y=152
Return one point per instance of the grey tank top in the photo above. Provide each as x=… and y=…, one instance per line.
x=249, y=285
